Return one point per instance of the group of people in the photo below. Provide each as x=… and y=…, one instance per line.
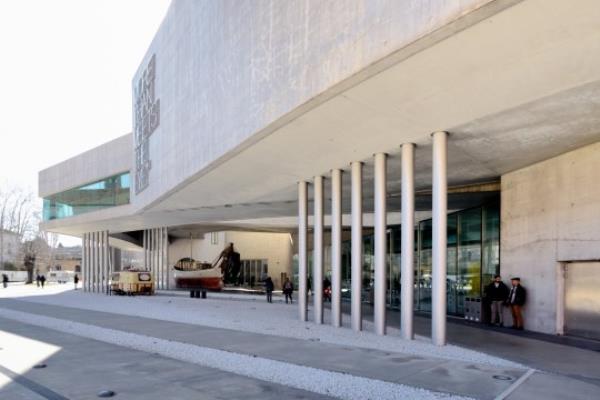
x=288, y=289
x=40, y=280
x=499, y=295
x=326, y=288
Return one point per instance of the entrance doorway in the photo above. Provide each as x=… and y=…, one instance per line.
x=582, y=299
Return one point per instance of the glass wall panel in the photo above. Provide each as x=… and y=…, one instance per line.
x=109, y=192
x=491, y=243
x=393, y=272
x=346, y=270
x=452, y=279
x=473, y=257
x=368, y=265
x=469, y=256
x=424, y=277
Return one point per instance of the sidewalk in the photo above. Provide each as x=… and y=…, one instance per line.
x=520, y=347
x=453, y=377
x=441, y=375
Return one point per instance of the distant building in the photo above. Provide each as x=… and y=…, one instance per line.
x=10, y=247
x=67, y=258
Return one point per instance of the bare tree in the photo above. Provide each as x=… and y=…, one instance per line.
x=19, y=214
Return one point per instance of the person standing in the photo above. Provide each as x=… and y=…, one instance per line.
x=327, y=289
x=288, y=289
x=5, y=280
x=42, y=280
x=76, y=280
x=38, y=279
x=497, y=293
x=269, y=286
x=516, y=301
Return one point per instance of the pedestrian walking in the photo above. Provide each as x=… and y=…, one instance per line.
x=327, y=289
x=497, y=293
x=5, y=280
x=37, y=280
x=269, y=286
x=516, y=301
x=42, y=280
x=288, y=289
x=76, y=280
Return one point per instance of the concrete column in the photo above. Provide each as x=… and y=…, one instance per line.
x=336, y=247
x=380, y=241
x=145, y=247
x=94, y=262
x=302, y=248
x=157, y=253
x=159, y=263
x=408, y=241
x=166, y=257
x=163, y=264
x=101, y=262
x=357, y=246
x=84, y=262
x=89, y=262
x=439, y=238
x=318, y=250
x=106, y=255
x=151, y=251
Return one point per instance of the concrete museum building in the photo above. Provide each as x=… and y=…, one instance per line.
x=383, y=145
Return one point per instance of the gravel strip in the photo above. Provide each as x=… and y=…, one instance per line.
x=343, y=386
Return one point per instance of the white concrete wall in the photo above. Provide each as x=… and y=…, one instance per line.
x=15, y=276
x=550, y=214
x=202, y=249
x=226, y=70
x=274, y=247
x=103, y=161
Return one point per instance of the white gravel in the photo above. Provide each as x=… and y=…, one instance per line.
x=250, y=314
x=343, y=386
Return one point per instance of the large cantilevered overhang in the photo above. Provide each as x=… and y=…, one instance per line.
x=514, y=82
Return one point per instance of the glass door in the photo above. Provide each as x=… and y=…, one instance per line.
x=469, y=257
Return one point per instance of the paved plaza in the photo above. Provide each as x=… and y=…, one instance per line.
x=232, y=346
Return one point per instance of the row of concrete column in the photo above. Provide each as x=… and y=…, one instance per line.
x=156, y=255
x=96, y=262
x=380, y=230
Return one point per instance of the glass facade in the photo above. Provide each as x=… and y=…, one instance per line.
x=473, y=257
x=109, y=192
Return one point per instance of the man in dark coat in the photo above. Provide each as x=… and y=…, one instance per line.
x=288, y=289
x=497, y=293
x=269, y=286
x=516, y=301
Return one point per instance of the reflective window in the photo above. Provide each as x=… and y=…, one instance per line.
x=109, y=192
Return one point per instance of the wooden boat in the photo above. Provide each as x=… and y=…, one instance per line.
x=195, y=275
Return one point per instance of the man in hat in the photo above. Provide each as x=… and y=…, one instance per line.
x=497, y=293
x=516, y=300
